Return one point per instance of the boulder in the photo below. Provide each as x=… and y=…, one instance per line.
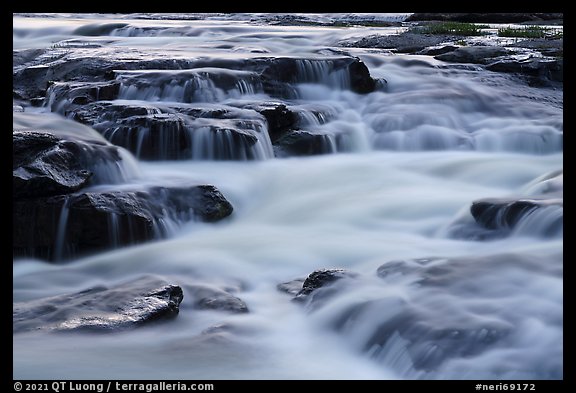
x=547, y=46
x=101, y=309
x=320, y=278
x=438, y=50
x=46, y=165
x=406, y=42
x=279, y=117
x=473, y=54
x=64, y=226
x=351, y=71
x=541, y=70
x=308, y=290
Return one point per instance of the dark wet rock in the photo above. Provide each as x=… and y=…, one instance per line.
x=176, y=132
x=170, y=136
x=304, y=143
x=30, y=82
x=438, y=50
x=205, y=297
x=320, y=279
x=540, y=215
x=23, y=56
x=360, y=79
x=60, y=227
x=194, y=85
x=404, y=43
x=539, y=212
x=44, y=164
x=317, y=288
x=500, y=213
x=33, y=81
x=291, y=70
x=546, y=46
x=80, y=93
x=98, y=29
x=474, y=54
x=37, y=101
x=210, y=204
x=541, y=70
x=32, y=77
x=279, y=117
x=101, y=309
x=97, y=113
x=511, y=17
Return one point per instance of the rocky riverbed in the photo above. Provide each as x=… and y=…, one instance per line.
x=286, y=196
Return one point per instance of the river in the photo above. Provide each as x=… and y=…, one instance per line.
x=405, y=162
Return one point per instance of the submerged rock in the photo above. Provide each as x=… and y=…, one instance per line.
x=60, y=227
x=419, y=316
x=497, y=218
x=501, y=213
x=292, y=287
x=206, y=297
x=101, y=309
x=539, y=212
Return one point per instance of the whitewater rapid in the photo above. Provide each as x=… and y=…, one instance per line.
x=407, y=160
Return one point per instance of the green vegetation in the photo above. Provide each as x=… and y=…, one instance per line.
x=453, y=28
x=529, y=32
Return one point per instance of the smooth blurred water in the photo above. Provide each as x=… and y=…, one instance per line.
x=410, y=159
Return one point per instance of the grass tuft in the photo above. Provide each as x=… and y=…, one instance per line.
x=529, y=32
x=453, y=28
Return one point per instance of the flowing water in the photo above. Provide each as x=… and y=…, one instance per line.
x=406, y=162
